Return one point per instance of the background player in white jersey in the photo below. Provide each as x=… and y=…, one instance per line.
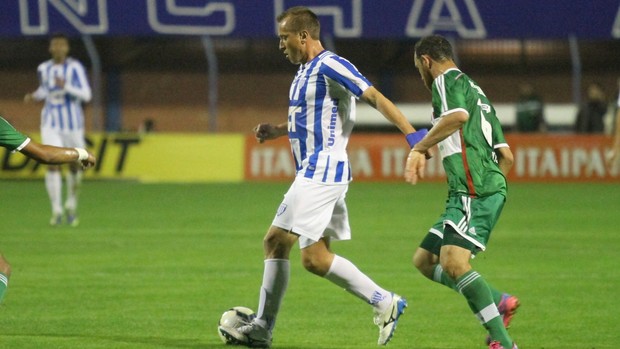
x=614, y=152
x=64, y=87
x=320, y=120
x=15, y=141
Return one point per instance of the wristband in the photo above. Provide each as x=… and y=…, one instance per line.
x=415, y=137
x=82, y=154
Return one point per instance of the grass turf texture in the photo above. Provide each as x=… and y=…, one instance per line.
x=154, y=266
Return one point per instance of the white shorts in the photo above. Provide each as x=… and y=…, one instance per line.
x=312, y=211
x=67, y=139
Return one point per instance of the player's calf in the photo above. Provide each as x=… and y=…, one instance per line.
x=425, y=262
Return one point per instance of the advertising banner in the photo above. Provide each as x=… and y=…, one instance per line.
x=150, y=158
x=379, y=157
x=396, y=19
x=374, y=157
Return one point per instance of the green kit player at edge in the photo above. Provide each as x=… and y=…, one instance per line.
x=476, y=159
x=14, y=141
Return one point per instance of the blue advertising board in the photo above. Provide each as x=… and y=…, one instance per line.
x=394, y=19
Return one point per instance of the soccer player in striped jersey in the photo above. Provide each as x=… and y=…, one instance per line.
x=14, y=141
x=321, y=114
x=476, y=159
x=64, y=87
x=614, y=153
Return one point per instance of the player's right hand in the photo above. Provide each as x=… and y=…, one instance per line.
x=414, y=168
x=263, y=132
x=28, y=98
x=90, y=162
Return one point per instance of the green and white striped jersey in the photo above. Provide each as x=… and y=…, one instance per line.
x=10, y=138
x=468, y=155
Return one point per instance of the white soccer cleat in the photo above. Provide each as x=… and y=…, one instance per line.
x=388, y=320
x=232, y=335
x=251, y=335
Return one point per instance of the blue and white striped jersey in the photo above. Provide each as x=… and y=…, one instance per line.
x=63, y=106
x=321, y=115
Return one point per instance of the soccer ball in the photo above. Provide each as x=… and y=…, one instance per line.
x=234, y=317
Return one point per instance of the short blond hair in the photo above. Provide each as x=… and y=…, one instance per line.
x=301, y=18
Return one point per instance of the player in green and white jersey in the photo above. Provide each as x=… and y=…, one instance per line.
x=13, y=140
x=476, y=159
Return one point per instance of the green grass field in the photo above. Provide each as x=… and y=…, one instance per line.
x=154, y=266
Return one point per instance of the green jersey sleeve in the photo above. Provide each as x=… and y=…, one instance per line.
x=10, y=138
x=449, y=94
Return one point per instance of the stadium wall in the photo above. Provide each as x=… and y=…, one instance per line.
x=374, y=157
x=177, y=101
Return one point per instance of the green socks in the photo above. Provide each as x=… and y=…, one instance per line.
x=440, y=277
x=4, y=281
x=478, y=295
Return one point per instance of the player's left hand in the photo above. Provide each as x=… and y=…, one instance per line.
x=60, y=82
x=414, y=168
x=263, y=132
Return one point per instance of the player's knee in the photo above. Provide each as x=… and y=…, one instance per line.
x=309, y=263
x=454, y=268
x=277, y=244
x=315, y=264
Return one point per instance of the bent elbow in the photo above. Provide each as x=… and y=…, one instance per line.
x=462, y=117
